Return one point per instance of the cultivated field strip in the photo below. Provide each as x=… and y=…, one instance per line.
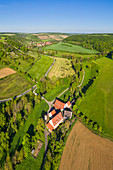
x=85, y=150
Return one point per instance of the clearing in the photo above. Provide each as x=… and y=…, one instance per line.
x=98, y=103
x=12, y=85
x=6, y=72
x=40, y=67
x=69, y=48
x=62, y=68
x=85, y=150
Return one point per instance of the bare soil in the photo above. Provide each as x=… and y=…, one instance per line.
x=86, y=151
x=63, y=36
x=55, y=37
x=43, y=37
x=6, y=72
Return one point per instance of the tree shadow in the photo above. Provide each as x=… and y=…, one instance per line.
x=85, y=88
x=31, y=130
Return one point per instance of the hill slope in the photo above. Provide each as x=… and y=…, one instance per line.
x=98, y=103
x=69, y=48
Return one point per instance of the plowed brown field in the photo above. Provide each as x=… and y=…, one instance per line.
x=6, y=72
x=86, y=151
x=43, y=37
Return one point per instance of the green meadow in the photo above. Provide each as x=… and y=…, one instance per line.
x=69, y=48
x=98, y=103
x=40, y=67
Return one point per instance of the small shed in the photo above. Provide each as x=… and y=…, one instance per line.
x=67, y=114
x=36, y=151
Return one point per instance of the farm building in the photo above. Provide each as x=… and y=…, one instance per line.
x=52, y=113
x=60, y=105
x=55, y=121
x=67, y=114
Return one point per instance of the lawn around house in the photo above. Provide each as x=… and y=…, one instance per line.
x=97, y=105
x=40, y=67
x=69, y=48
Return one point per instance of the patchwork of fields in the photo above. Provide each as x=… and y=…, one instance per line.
x=13, y=85
x=62, y=68
x=40, y=67
x=98, y=103
x=85, y=150
x=69, y=48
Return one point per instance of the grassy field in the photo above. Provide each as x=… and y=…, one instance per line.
x=23, y=66
x=51, y=95
x=85, y=150
x=2, y=39
x=87, y=73
x=13, y=85
x=97, y=104
x=69, y=48
x=31, y=120
x=62, y=68
x=40, y=67
x=60, y=53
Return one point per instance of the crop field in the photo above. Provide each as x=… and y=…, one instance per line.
x=40, y=67
x=43, y=37
x=63, y=36
x=13, y=85
x=84, y=151
x=98, y=103
x=62, y=68
x=69, y=48
x=55, y=37
x=6, y=72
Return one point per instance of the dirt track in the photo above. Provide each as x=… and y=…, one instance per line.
x=86, y=151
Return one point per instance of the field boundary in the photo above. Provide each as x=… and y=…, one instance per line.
x=93, y=131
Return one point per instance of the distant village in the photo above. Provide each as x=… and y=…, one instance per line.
x=41, y=44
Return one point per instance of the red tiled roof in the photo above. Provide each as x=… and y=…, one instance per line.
x=53, y=112
x=57, y=119
x=68, y=103
x=59, y=105
x=50, y=126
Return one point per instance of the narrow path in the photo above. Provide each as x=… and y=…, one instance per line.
x=63, y=92
x=46, y=143
x=50, y=67
x=82, y=79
